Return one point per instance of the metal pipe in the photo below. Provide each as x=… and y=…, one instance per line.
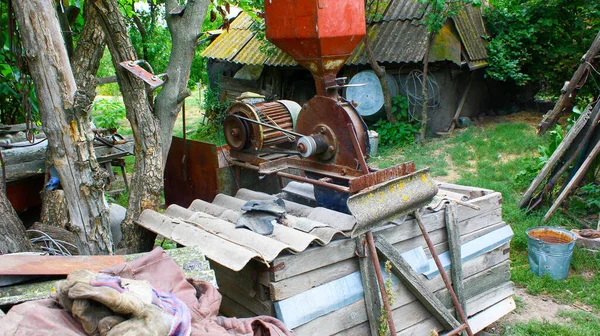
x=384, y=298
x=270, y=126
x=438, y=263
x=296, y=178
x=457, y=330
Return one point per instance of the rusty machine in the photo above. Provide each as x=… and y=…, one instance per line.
x=325, y=140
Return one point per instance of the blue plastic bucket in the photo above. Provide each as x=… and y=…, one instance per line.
x=550, y=250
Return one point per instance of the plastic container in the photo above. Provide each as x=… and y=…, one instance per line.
x=373, y=142
x=550, y=250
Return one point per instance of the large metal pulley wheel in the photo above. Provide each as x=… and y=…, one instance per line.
x=236, y=132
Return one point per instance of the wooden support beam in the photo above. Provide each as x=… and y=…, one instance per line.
x=412, y=281
x=454, y=249
x=574, y=181
x=556, y=155
x=373, y=302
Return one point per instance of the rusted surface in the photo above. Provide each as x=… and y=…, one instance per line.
x=380, y=281
x=551, y=236
x=380, y=176
x=318, y=34
x=196, y=178
x=54, y=265
x=323, y=111
x=332, y=170
x=142, y=73
x=24, y=194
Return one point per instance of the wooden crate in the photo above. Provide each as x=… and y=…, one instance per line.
x=316, y=274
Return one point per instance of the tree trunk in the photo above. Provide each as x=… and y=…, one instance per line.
x=381, y=74
x=12, y=231
x=185, y=31
x=147, y=183
x=424, y=111
x=70, y=140
x=90, y=48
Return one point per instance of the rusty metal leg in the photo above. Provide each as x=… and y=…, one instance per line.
x=384, y=298
x=459, y=308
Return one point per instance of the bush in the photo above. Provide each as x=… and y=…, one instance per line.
x=108, y=113
x=400, y=133
x=539, y=41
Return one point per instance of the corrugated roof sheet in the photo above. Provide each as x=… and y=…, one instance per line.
x=394, y=42
x=228, y=44
x=471, y=29
x=397, y=37
x=211, y=226
x=404, y=10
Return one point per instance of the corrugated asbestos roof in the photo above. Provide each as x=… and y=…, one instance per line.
x=394, y=42
x=470, y=26
x=398, y=36
x=211, y=227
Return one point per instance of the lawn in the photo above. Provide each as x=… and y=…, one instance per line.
x=493, y=155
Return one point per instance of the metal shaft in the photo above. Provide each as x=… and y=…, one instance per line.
x=384, y=298
x=459, y=308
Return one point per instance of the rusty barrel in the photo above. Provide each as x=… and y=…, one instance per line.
x=550, y=250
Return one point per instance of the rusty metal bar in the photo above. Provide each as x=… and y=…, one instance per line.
x=458, y=330
x=384, y=298
x=459, y=308
x=359, y=154
x=296, y=177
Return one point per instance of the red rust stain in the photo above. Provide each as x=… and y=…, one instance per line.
x=551, y=236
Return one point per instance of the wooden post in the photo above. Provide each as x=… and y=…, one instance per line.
x=369, y=281
x=572, y=87
x=558, y=153
x=456, y=273
x=574, y=181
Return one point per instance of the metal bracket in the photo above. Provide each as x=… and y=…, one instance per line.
x=134, y=67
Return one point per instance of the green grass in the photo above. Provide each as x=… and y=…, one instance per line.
x=492, y=157
x=578, y=324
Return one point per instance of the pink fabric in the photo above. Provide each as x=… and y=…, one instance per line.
x=45, y=317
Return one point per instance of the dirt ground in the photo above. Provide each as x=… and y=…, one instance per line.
x=532, y=307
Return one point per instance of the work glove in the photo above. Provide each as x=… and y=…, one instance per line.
x=110, y=305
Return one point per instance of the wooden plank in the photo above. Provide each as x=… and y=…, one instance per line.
x=286, y=288
x=291, y=265
x=487, y=299
x=230, y=308
x=581, y=172
x=335, y=321
x=424, y=327
x=556, y=155
x=474, y=248
x=372, y=297
x=492, y=314
x=454, y=250
x=474, y=270
x=411, y=280
x=280, y=290
x=54, y=265
x=320, y=301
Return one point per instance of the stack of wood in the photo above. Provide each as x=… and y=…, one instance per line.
x=575, y=155
x=323, y=290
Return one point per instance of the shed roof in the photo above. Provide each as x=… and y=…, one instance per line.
x=398, y=35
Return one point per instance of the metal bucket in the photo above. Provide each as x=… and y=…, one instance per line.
x=550, y=250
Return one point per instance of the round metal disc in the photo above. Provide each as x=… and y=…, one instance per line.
x=236, y=132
